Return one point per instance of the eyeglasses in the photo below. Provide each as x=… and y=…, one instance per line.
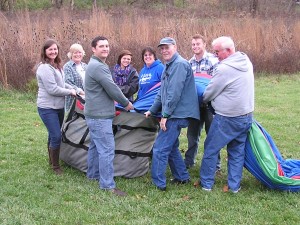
x=216, y=52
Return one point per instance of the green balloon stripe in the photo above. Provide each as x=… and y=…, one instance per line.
x=266, y=158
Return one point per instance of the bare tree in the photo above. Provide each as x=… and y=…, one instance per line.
x=170, y=2
x=291, y=6
x=57, y=3
x=7, y=5
x=254, y=7
x=72, y=4
x=11, y=5
x=3, y=5
x=131, y=2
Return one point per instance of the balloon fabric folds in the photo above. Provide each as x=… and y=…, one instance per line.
x=264, y=161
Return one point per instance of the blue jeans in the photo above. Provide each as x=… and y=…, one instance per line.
x=53, y=119
x=165, y=150
x=193, y=136
x=230, y=131
x=101, y=152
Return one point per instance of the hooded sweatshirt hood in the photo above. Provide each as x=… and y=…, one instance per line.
x=149, y=76
x=238, y=61
x=154, y=64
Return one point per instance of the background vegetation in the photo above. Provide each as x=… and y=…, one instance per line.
x=32, y=194
x=268, y=31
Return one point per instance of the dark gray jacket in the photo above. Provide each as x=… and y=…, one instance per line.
x=101, y=91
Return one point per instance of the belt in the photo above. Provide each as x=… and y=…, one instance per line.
x=248, y=114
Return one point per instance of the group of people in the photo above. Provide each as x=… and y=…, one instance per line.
x=225, y=108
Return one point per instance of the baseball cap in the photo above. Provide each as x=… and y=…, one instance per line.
x=167, y=41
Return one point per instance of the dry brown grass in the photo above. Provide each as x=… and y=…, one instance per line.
x=272, y=44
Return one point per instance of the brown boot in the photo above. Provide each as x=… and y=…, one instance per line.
x=55, y=161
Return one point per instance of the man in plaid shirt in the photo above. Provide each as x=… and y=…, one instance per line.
x=202, y=62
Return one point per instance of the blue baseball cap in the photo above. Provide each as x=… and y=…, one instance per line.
x=167, y=41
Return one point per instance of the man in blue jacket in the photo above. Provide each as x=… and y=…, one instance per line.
x=177, y=101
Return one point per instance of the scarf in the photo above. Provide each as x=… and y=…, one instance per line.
x=121, y=75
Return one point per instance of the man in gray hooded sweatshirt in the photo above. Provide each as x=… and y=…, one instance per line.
x=231, y=93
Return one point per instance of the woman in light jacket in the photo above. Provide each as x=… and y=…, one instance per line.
x=51, y=98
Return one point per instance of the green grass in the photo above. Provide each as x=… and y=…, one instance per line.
x=33, y=5
x=32, y=194
x=78, y=4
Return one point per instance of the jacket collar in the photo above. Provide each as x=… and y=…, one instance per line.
x=172, y=59
x=205, y=55
x=96, y=58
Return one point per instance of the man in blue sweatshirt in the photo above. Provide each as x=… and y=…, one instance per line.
x=177, y=101
x=231, y=93
x=100, y=94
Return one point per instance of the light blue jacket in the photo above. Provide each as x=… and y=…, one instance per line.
x=177, y=97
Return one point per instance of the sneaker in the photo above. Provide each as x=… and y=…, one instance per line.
x=226, y=189
x=234, y=192
x=161, y=188
x=206, y=189
x=118, y=192
x=176, y=181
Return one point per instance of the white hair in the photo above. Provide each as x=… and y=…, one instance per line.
x=74, y=48
x=225, y=42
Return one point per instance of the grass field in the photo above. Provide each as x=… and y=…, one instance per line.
x=32, y=194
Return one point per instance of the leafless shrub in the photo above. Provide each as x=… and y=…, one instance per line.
x=272, y=44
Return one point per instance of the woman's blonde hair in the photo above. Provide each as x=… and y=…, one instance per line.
x=74, y=48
